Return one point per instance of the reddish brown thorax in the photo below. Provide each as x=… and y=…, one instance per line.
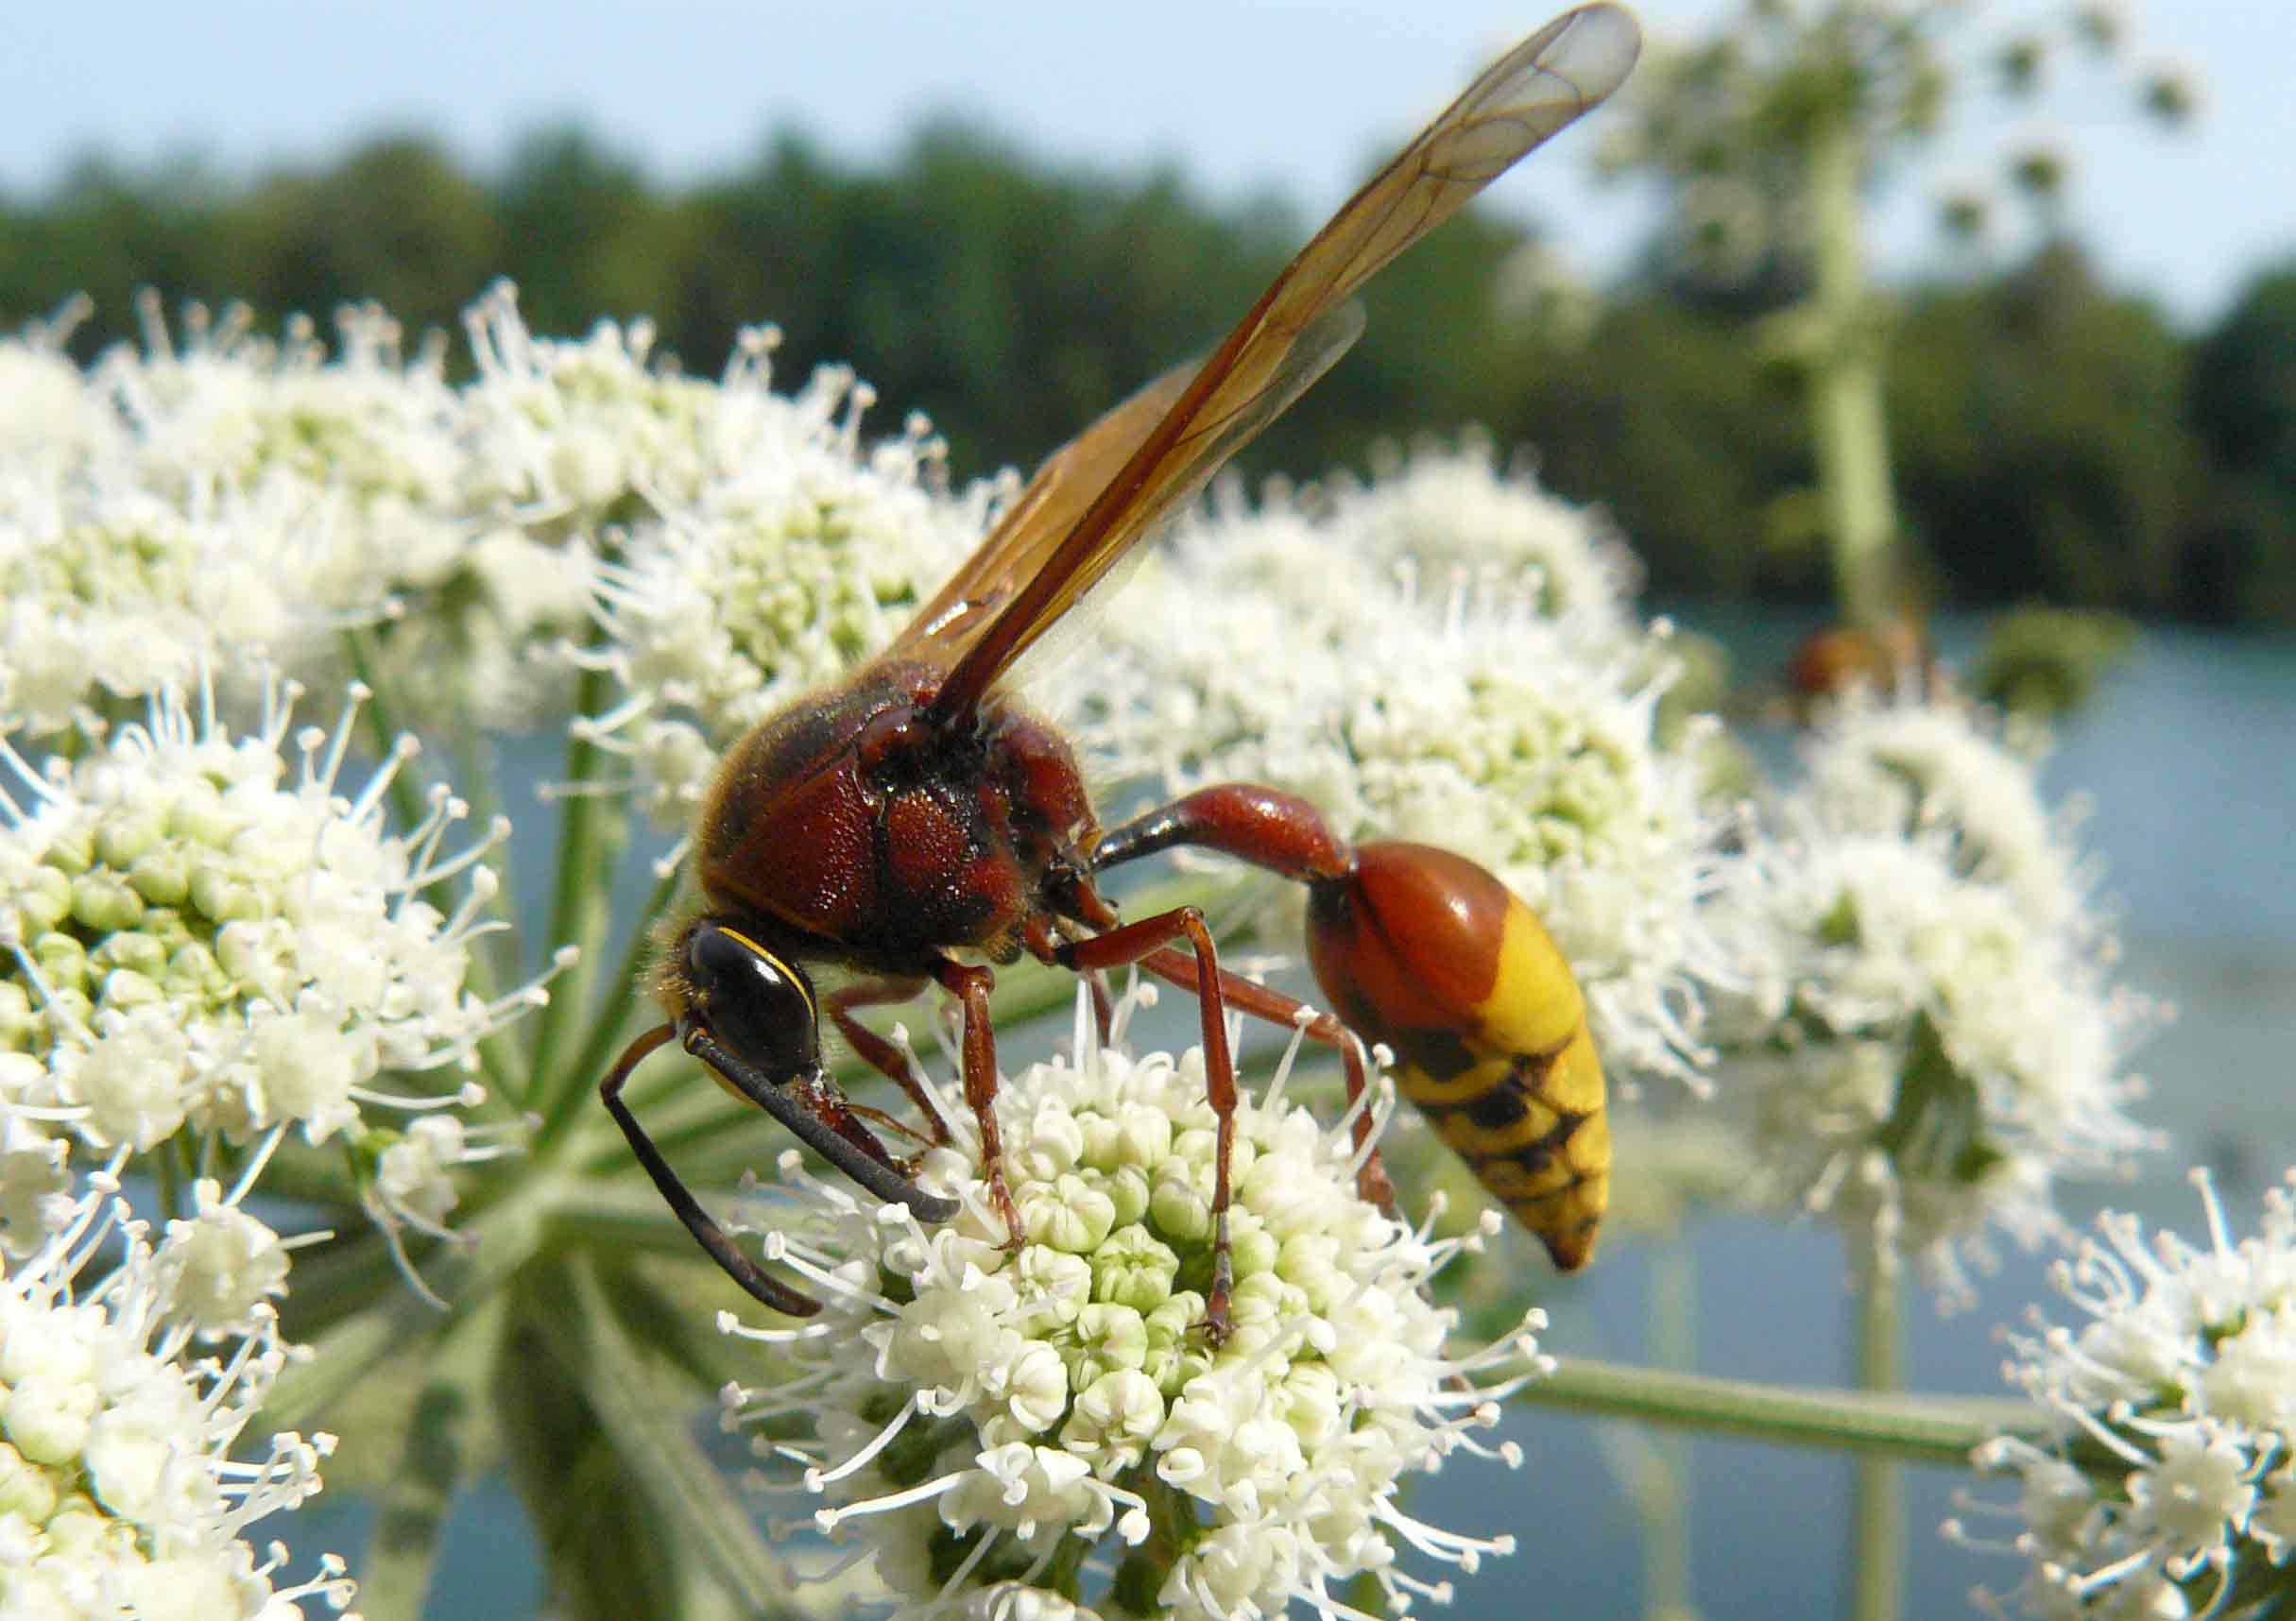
x=885, y=840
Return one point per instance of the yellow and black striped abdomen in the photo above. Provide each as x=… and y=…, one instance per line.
x=1533, y=1129
x=1431, y=954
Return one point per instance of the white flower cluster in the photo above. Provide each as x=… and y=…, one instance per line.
x=1881, y=766
x=198, y=933
x=984, y=1419
x=784, y=560
x=119, y=1495
x=1444, y=655
x=229, y=494
x=216, y=492
x=1937, y=1039
x=48, y=414
x=2169, y=1487
x=1448, y=510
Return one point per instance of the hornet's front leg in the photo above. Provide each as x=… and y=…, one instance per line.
x=1140, y=943
x=809, y=1107
x=881, y=1054
x=971, y=987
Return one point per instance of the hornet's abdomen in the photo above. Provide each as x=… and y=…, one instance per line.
x=1429, y=954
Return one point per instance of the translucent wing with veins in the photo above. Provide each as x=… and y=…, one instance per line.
x=1094, y=500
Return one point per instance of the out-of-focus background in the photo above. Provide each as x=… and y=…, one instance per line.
x=1005, y=216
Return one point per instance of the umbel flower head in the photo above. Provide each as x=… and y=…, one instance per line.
x=199, y=932
x=1926, y=1035
x=1340, y=647
x=1931, y=1056
x=2168, y=1488
x=784, y=555
x=1881, y=765
x=985, y=1420
x=119, y=1495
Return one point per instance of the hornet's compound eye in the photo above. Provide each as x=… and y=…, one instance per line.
x=756, y=1003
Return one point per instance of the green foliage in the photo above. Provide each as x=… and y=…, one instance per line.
x=2053, y=438
x=2240, y=564
x=2048, y=662
x=2042, y=449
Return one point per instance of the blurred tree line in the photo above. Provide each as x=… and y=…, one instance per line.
x=2053, y=438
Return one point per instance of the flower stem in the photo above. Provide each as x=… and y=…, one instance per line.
x=1845, y=389
x=395, y=1575
x=613, y=1014
x=1877, y=1533
x=1913, y=1430
x=1666, y=1502
x=581, y=910
x=662, y=1461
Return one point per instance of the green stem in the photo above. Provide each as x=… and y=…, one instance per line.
x=613, y=1015
x=1673, y=1307
x=581, y=912
x=1913, y=1429
x=661, y=1457
x=395, y=1577
x=1878, y=1551
x=1846, y=411
x=166, y=1168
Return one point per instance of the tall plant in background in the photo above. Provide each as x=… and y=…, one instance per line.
x=1772, y=138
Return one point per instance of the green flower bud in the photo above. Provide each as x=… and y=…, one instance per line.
x=1068, y=1213
x=18, y=1019
x=43, y=900
x=1107, y=1337
x=101, y=901
x=218, y=893
x=120, y=839
x=1133, y=1269
x=73, y=852
x=129, y=949
x=201, y=818
x=24, y=1489
x=68, y=1008
x=1127, y=1188
x=1263, y=1298
x=1179, y=1210
x=1144, y=1135
x=1176, y=1355
x=126, y=988
x=63, y=962
x=1099, y=1142
x=163, y=877
x=194, y=974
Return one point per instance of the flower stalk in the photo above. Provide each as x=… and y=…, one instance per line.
x=1878, y=1536
x=591, y=831
x=1913, y=1429
x=1845, y=359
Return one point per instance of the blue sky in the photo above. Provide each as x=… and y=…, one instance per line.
x=1243, y=94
